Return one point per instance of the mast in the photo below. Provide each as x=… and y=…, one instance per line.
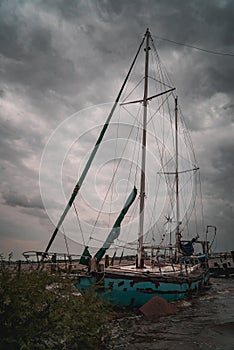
x=140, y=258
x=177, y=178
x=92, y=155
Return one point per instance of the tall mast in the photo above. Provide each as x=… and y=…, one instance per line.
x=177, y=178
x=140, y=260
x=92, y=155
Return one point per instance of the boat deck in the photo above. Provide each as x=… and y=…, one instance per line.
x=166, y=269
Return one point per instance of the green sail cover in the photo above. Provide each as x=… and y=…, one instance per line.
x=116, y=228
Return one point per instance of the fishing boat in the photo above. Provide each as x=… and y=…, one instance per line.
x=159, y=256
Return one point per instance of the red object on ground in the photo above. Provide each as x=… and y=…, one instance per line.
x=157, y=307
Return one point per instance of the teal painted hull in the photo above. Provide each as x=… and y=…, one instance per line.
x=136, y=291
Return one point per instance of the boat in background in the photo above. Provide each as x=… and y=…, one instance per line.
x=221, y=264
x=171, y=268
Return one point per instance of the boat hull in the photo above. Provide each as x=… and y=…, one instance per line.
x=134, y=290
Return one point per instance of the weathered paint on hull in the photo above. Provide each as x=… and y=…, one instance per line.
x=136, y=292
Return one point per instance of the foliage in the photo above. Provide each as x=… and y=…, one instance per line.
x=41, y=311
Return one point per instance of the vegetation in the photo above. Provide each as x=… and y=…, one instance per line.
x=42, y=311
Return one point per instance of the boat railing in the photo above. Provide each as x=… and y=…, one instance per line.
x=53, y=261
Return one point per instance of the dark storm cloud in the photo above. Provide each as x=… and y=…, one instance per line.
x=45, y=67
x=17, y=145
x=206, y=24
x=31, y=63
x=223, y=162
x=16, y=199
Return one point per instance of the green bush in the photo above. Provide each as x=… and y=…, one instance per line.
x=42, y=311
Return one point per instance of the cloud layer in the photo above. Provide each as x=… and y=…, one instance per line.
x=61, y=57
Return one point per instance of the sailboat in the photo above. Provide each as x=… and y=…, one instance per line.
x=172, y=268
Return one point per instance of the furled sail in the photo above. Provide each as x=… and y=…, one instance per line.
x=114, y=234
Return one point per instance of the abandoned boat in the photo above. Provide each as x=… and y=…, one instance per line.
x=153, y=247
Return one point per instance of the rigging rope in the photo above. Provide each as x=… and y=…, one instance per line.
x=112, y=179
x=79, y=223
x=187, y=141
x=220, y=53
x=170, y=185
x=133, y=156
x=130, y=93
x=163, y=107
x=115, y=156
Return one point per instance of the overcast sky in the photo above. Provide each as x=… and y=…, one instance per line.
x=60, y=57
